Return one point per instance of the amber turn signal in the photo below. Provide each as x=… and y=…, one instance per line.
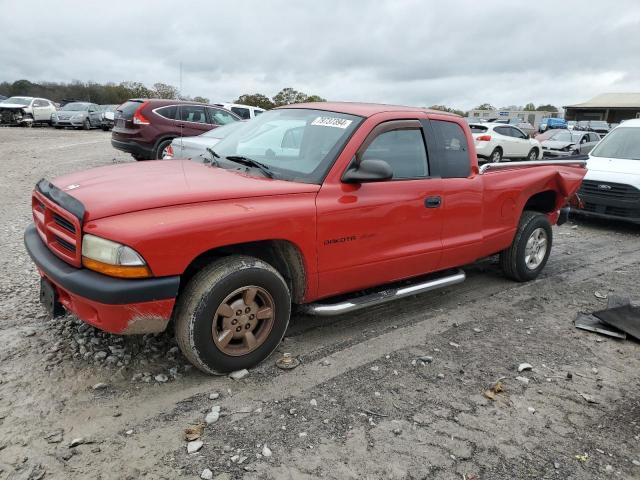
x=119, y=271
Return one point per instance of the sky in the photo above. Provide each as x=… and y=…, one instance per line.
x=410, y=52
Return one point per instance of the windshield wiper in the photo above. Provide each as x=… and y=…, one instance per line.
x=249, y=162
x=214, y=155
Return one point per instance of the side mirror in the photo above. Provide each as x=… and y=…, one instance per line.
x=368, y=171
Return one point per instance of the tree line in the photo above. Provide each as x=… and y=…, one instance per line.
x=112, y=93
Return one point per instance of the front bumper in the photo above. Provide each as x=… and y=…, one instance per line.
x=67, y=123
x=110, y=304
x=548, y=153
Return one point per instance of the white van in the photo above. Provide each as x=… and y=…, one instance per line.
x=245, y=112
x=611, y=188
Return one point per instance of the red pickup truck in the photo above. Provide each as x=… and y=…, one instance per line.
x=326, y=206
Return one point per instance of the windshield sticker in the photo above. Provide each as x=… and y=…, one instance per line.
x=331, y=122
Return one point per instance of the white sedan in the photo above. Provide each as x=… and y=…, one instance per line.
x=195, y=148
x=495, y=141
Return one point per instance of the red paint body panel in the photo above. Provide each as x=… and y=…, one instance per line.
x=351, y=236
x=143, y=317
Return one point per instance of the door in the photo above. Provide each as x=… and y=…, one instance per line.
x=462, y=192
x=95, y=115
x=191, y=120
x=520, y=142
x=506, y=141
x=41, y=110
x=375, y=233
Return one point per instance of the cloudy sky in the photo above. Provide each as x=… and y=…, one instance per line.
x=415, y=52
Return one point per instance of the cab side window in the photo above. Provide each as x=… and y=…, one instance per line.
x=453, y=150
x=404, y=150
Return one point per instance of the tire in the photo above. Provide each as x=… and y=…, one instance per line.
x=517, y=262
x=496, y=155
x=86, y=125
x=160, y=148
x=138, y=158
x=209, y=294
x=533, y=155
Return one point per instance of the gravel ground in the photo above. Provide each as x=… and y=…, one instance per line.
x=397, y=391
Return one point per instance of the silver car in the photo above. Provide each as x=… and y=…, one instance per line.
x=79, y=115
x=564, y=143
x=195, y=148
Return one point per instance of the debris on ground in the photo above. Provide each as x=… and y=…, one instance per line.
x=625, y=318
x=193, y=447
x=601, y=296
x=55, y=436
x=496, y=388
x=288, y=362
x=206, y=474
x=588, y=398
x=524, y=380
x=213, y=415
x=524, y=366
x=193, y=432
x=239, y=374
x=590, y=323
x=266, y=451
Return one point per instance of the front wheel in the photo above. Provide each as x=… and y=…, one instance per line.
x=533, y=155
x=232, y=314
x=86, y=125
x=529, y=252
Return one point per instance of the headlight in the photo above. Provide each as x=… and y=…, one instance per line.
x=112, y=258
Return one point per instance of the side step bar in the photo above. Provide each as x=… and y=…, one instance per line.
x=357, y=303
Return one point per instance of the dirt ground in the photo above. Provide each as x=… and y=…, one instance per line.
x=362, y=405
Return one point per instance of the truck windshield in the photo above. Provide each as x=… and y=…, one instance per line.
x=621, y=143
x=295, y=144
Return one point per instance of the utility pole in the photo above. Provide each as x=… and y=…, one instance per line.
x=180, y=80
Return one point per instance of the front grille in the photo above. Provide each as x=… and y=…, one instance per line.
x=618, y=191
x=59, y=229
x=64, y=223
x=68, y=245
x=611, y=210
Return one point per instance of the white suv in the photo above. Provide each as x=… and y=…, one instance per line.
x=245, y=112
x=495, y=141
x=611, y=188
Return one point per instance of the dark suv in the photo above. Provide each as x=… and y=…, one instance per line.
x=145, y=127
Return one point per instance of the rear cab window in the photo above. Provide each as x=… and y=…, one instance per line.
x=452, y=149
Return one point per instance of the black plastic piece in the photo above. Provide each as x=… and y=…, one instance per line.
x=564, y=215
x=95, y=286
x=432, y=202
x=57, y=196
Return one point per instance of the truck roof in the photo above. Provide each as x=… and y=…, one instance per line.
x=363, y=109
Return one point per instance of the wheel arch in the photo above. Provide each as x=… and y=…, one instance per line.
x=283, y=255
x=543, y=202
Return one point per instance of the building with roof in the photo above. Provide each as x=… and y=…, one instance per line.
x=534, y=117
x=610, y=107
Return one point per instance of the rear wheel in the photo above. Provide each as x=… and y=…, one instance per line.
x=529, y=252
x=496, y=155
x=232, y=314
x=161, y=150
x=533, y=155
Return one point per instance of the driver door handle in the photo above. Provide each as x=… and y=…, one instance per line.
x=433, y=202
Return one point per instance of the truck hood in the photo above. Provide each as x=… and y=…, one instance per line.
x=129, y=187
x=12, y=105
x=614, y=165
